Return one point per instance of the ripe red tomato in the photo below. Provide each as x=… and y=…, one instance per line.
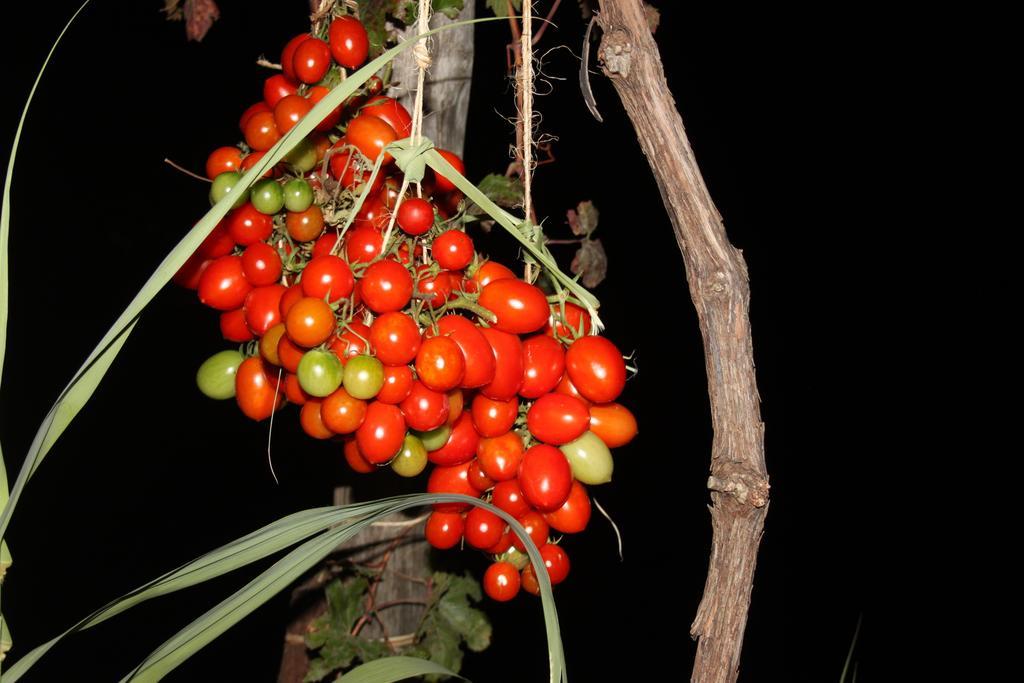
x=545, y=477
x=556, y=561
x=573, y=515
x=500, y=456
x=461, y=445
x=373, y=214
x=222, y=160
x=326, y=243
x=474, y=346
x=263, y=308
x=261, y=264
x=392, y=112
x=288, y=54
x=518, y=306
x=276, y=87
x=557, y=419
x=382, y=433
x=543, y=366
x=528, y=579
x=395, y=337
x=489, y=271
x=223, y=285
x=370, y=136
x=362, y=245
x=454, y=479
x=290, y=354
x=312, y=424
x=536, y=528
x=290, y=298
x=436, y=288
x=596, y=368
x=442, y=184
x=342, y=413
x=453, y=250
x=494, y=418
x=261, y=131
x=478, y=480
x=501, y=581
x=218, y=243
x=508, y=364
x=386, y=286
x=191, y=271
x=309, y=322
x=315, y=94
x=247, y=225
x=424, y=409
x=509, y=497
x=444, y=529
x=575, y=321
x=440, y=364
x=289, y=110
x=483, y=528
x=503, y=545
x=327, y=276
x=349, y=43
x=256, y=390
x=252, y=158
x=307, y=225
x=398, y=383
x=268, y=344
x=355, y=459
x=248, y=114
x=351, y=342
x=311, y=60
x=613, y=423
x=415, y=216
x=233, y=327
x=293, y=391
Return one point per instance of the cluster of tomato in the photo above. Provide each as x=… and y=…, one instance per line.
x=412, y=353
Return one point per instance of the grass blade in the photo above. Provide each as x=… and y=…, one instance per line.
x=392, y=669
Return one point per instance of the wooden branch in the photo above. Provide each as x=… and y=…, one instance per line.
x=717, y=277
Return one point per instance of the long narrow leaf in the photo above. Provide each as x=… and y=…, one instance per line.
x=392, y=669
x=187, y=246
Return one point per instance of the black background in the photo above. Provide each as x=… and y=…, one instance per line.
x=152, y=474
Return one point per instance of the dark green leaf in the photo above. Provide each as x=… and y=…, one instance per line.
x=442, y=642
x=373, y=14
x=449, y=8
x=503, y=190
x=500, y=7
x=345, y=602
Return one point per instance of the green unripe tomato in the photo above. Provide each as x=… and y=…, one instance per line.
x=589, y=458
x=516, y=558
x=222, y=186
x=435, y=438
x=298, y=195
x=267, y=196
x=216, y=376
x=412, y=459
x=364, y=377
x=302, y=157
x=320, y=373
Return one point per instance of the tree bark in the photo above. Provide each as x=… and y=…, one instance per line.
x=718, y=284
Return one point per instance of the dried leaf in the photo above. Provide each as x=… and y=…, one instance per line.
x=503, y=190
x=591, y=263
x=583, y=220
x=199, y=17
x=653, y=17
x=172, y=8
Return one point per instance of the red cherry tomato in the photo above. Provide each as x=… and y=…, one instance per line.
x=252, y=158
x=370, y=136
x=356, y=460
x=290, y=298
x=222, y=160
x=351, y=342
x=398, y=383
x=494, y=418
x=437, y=289
x=342, y=413
x=386, y=286
x=444, y=529
x=424, y=409
x=304, y=226
x=288, y=54
x=454, y=479
x=310, y=322
x=461, y=445
x=573, y=515
x=557, y=419
x=415, y=216
x=263, y=308
x=501, y=581
x=325, y=244
x=395, y=337
x=349, y=43
x=440, y=364
x=311, y=60
x=315, y=94
x=248, y=114
x=518, y=306
x=261, y=131
x=293, y=391
x=218, y=243
x=362, y=245
x=536, y=528
x=327, y=276
x=508, y=364
x=574, y=321
x=247, y=226
x=392, y=112
x=543, y=366
x=453, y=250
x=443, y=184
x=596, y=368
x=223, y=285
x=290, y=354
x=500, y=456
x=382, y=433
x=545, y=477
x=289, y=110
x=565, y=386
x=483, y=528
x=556, y=561
x=478, y=480
x=276, y=87
x=509, y=497
x=613, y=423
x=489, y=271
x=256, y=390
x=261, y=264
x=475, y=349
x=191, y=271
x=503, y=545
x=233, y=326
x=309, y=419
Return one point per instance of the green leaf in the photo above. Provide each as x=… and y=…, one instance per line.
x=470, y=623
x=373, y=14
x=449, y=8
x=500, y=7
x=505, y=191
x=392, y=669
x=345, y=602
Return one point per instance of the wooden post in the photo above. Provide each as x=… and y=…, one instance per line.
x=717, y=277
